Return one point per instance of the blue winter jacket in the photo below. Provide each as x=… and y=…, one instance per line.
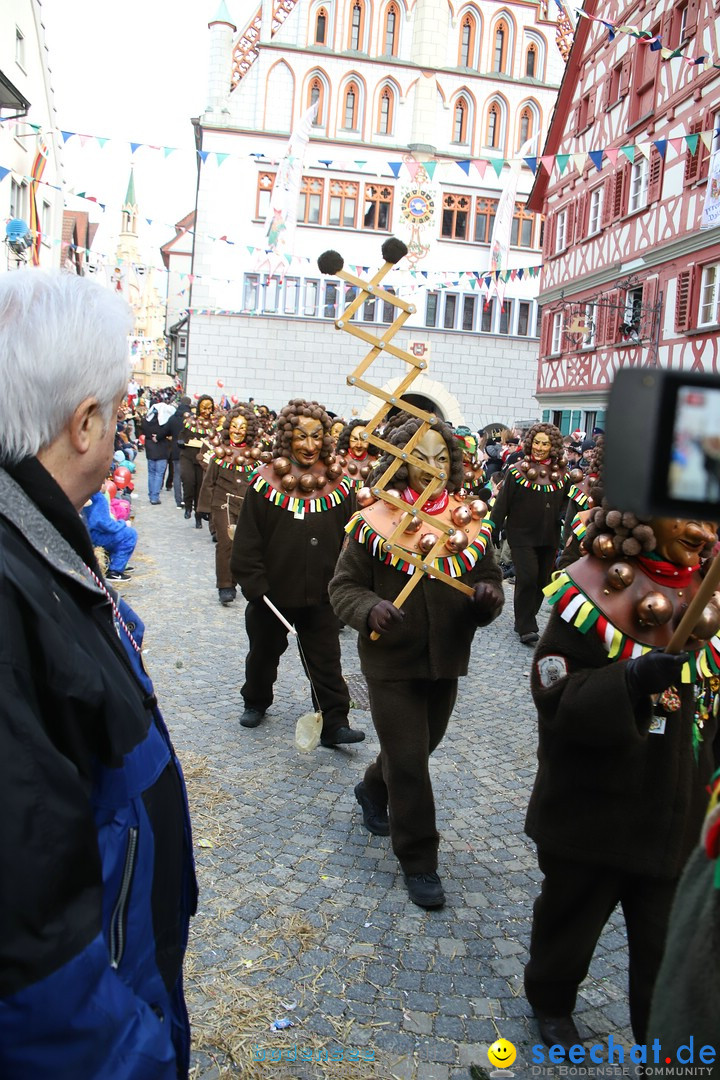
x=96, y=875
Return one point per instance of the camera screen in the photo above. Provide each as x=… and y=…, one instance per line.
x=694, y=466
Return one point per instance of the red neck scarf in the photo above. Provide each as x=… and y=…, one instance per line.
x=667, y=573
x=432, y=506
x=358, y=457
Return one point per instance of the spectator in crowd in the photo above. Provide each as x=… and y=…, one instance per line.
x=118, y=538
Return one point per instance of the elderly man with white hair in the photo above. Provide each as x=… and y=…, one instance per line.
x=96, y=875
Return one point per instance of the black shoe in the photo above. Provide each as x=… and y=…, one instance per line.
x=188, y=514
x=226, y=596
x=425, y=890
x=251, y=717
x=529, y=639
x=198, y=521
x=128, y=569
x=117, y=575
x=340, y=735
x=375, y=818
x=558, y=1031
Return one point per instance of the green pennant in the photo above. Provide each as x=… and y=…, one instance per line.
x=691, y=142
x=562, y=160
x=473, y=282
x=629, y=152
x=429, y=167
x=101, y=141
x=498, y=164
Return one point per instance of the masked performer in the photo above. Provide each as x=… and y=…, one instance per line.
x=529, y=508
x=232, y=464
x=412, y=670
x=354, y=452
x=289, y=535
x=196, y=431
x=620, y=791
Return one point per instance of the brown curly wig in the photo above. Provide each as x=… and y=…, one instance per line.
x=245, y=411
x=631, y=534
x=343, y=441
x=400, y=435
x=288, y=420
x=557, y=450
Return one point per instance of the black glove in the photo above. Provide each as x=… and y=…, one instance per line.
x=383, y=617
x=653, y=672
x=488, y=601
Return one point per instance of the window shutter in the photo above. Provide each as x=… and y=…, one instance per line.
x=569, y=225
x=704, y=159
x=619, y=192
x=625, y=71
x=549, y=235
x=607, y=206
x=581, y=218
x=650, y=294
x=683, y=296
x=546, y=331
x=591, y=106
x=692, y=161
x=655, y=175
x=613, y=318
x=692, y=18
x=600, y=320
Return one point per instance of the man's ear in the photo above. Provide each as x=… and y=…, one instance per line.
x=83, y=424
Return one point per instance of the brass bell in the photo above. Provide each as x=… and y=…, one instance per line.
x=334, y=470
x=427, y=542
x=460, y=495
x=531, y=472
x=555, y=476
x=414, y=525
x=363, y=496
x=603, y=547
x=281, y=466
x=393, y=492
x=461, y=515
x=576, y=475
x=468, y=476
x=320, y=481
x=524, y=466
x=266, y=457
x=708, y=624
x=352, y=468
x=457, y=541
x=620, y=575
x=365, y=471
x=289, y=482
x=479, y=509
x=655, y=609
x=307, y=482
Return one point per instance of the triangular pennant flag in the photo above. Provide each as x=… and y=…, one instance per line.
x=83, y=139
x=644, y=149
x=548, y=160
x=610, y=29
x=67, y=135
x=676, y=145
x=580, y=161
x=465, y=166
x=481, y=166
x=497, y=164
x=3, y=173
x=691, y=142
x=361, y=164
x=629, y=152
x=327, y=162
x=661, y=147
x=221, y=158
x=562, y=160
x=395, y=167
x=412, y=167
x=101, y=141
x=707, y=138
x=203, y=155
x=134, y=146
x=596, y=157
x=532, y=163
x=473, y=283
x=611, y=153
x=520, y=273
x=167, y=150
x=429, y=167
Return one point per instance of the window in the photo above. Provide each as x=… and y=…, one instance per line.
x=709, y=314
x=292, y=296
x=488, y=316
x=369, y=310
x=389, y=311
x=450, y=311
x=468, y=312
x=343, y=203
x=531, y=61
x=466, y=54
x=505, y=317
x=632, y=314
x=391, y=26
x=557, y=327
x=492, y=137
x=642, y=99
x=19, y=205
x=538, y=320
x=182, y=344
x=431, y=309
x=522, y=227
x=500, y=47
x=386, y=111
x=271, y=295
x=455, y=216
x=595, y=214
x=357, y=26
x=349, y=294
x=378, y=207
x=485, y=210
x=460, y=123
x=523, y=326
x=351, y=108
x=19, y=48
x=321, y=22
x=588, y=341
x=316, y=93
x=158, y=365
x=525, y=127
x=330, y=300
x=310, y=200
x=264, y=189
x=250, y=292
x=45, y=222
x=310, y=302
x=638, y=185
x=560, y=227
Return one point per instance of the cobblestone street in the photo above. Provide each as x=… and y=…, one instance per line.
x=303, y=914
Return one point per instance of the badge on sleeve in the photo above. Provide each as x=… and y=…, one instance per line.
x=551, y=670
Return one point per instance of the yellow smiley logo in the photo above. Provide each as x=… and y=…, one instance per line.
x=502, y=1054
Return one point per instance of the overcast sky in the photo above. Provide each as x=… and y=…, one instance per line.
x=134, y=71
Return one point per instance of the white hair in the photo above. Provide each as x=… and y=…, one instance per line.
x=63, y=338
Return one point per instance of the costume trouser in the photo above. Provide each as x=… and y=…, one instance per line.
x=155, y=474
x=177, y=482
x=410, y=718
x=223, y=548
x=120, y=547
x=533, y=567
x=575, y=902
x=318, y=633
x=192, y=477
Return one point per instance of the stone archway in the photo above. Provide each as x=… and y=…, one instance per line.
x=427, y=394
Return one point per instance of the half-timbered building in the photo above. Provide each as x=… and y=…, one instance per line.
x=629, y=275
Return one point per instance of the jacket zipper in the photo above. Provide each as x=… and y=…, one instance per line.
x=117, y=919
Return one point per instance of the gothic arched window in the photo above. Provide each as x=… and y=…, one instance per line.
x=460, y=121
x=531, y=61
x=500, y=47
x=391, y=30
x=468, y=29
x=321, y=26
x=493, y=127
x=316, y=93
x=386, y=111
x=350, y=114
x=357, y=26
